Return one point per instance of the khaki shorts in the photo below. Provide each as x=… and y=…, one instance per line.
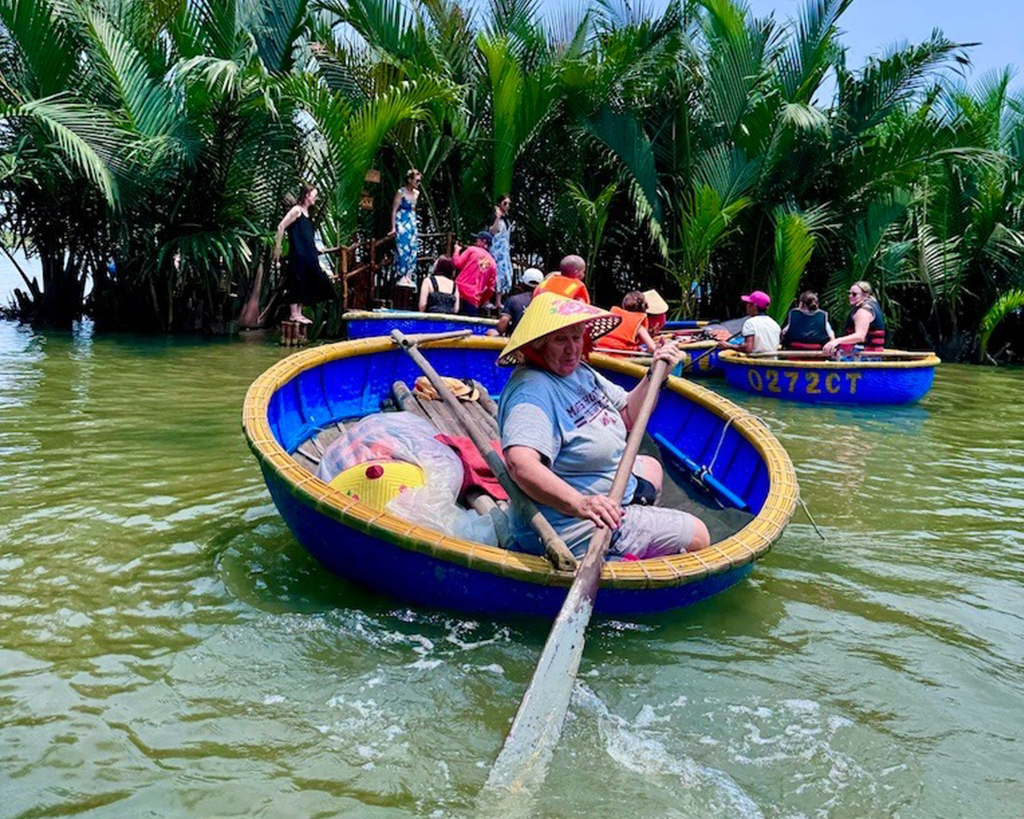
x=652, y=531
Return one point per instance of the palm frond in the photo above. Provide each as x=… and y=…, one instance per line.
x=794, y=244
x=1010, y=302
x=84, y=135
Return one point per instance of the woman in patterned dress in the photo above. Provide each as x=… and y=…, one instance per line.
x=403, y=228
x=500, y=247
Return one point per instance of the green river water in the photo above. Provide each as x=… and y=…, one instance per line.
x=167, y=650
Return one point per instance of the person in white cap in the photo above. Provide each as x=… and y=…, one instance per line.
x=513, y=308
x=563, y=433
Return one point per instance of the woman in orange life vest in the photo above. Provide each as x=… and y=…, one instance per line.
x=865, y=324
x=568, y=281
x=632, y=332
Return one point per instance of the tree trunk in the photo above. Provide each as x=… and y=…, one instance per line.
x=250, y=315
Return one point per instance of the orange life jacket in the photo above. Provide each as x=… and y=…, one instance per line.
x=624, y=337
x=564, y=286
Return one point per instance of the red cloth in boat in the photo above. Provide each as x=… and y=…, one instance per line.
x=477, y=474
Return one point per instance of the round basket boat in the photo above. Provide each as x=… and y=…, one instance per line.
x=304, y=394
x=886, y=377
x=367, y=324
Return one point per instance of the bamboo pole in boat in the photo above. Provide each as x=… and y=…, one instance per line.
x=522, y=763
x=557, y=552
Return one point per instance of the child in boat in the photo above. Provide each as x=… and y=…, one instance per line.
x=632, y=331
x=568, y=281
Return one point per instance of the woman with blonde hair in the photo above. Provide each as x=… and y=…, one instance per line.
x=865, y=324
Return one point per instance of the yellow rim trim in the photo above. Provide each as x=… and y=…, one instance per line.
x=921, y=361
x=401, y=315
x=747, y=545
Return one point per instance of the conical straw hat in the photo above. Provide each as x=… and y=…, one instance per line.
x=656, y=305
x=549, y=312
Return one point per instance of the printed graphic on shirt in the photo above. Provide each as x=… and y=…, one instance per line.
x=588, y=407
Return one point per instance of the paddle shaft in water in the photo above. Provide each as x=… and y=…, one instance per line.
x=555, y=548
x=522, y=763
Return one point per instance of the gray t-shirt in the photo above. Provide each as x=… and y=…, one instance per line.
x=574, y=422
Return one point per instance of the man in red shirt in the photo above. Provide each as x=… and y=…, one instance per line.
x=478, y=275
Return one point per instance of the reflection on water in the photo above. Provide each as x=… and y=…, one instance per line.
x=168, y=649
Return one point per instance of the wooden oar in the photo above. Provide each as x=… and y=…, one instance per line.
x=558, y=553
x=523, y=761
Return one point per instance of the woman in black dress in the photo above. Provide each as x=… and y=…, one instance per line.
x=305, y=281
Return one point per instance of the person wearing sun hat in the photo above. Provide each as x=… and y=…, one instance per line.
x=657, y=310
x=761, y=333
x=563, y=433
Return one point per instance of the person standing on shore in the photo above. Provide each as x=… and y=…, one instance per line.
x=500, y=248
x=404, y=229
x=305, y=280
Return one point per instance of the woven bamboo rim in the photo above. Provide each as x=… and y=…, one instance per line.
x=922, y=361
x=398, y=315
x=747, y=545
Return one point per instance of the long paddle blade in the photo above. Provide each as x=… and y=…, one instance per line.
x=523, y=762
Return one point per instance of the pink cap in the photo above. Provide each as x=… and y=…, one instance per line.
x=758, y=297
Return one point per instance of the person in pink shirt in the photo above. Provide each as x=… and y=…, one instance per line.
x=478, y=275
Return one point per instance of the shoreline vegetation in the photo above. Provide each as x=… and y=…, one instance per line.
x=152, y=148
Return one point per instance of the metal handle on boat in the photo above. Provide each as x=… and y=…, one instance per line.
x=557, y=552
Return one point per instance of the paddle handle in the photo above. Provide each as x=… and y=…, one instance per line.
x=554, y=547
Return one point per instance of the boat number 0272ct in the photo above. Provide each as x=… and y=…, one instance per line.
x=813, y=383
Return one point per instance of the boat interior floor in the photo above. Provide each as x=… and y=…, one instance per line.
x=678, y=491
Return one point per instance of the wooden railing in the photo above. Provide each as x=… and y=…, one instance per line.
x=366, y=270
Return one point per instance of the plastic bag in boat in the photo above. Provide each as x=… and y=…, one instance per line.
x=402, y=436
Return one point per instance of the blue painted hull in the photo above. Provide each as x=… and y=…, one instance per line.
x=412, y=324
x=824, y=384
x=707, y=364
x=382, y=556
x=427, y=581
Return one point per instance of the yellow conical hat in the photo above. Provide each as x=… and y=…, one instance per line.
x=377, y=482
x=656, y=305
x=549, y=312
